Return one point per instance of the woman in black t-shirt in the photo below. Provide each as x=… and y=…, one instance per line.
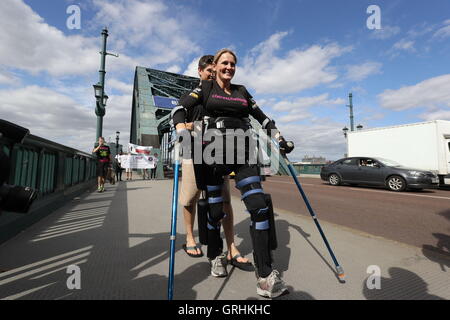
x=228, y=106
x=103, y=162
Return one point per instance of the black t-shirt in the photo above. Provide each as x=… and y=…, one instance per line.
x=222, y=104
x=103, y=154
x=239, y=104
x=195, y=113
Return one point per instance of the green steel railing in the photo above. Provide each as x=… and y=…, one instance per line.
x=47, y=166
x=308, y=168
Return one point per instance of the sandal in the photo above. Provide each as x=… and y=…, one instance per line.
x=199, y=255
x=246, y=266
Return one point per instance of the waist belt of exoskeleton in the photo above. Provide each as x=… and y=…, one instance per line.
x=227, y=123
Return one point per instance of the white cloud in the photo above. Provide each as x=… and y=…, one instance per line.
x=120, y=86
x=430, y=93
x=436, y=115
x=385, y=33
x=62, y=110
x=192, y=68
x=420, y=30
x=57, y=117
x=298, y=70
x=174, y=69
x=144, y=33
x=362, y=71
x=44, y=111
x=443, y=32
x=404, y=44
x=118, y=118
x=151, y=28
x=35, y=46
x=306, y=102
x=6, y=78
x=374, y=116
x=322, y=138
x=294, y=116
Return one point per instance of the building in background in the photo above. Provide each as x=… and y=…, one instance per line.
x=313, y=160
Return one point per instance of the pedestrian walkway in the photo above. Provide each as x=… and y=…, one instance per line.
x=120, y=241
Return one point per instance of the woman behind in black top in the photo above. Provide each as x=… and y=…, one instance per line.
x=228, y=106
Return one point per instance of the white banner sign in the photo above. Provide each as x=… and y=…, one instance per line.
x=138, y=161
x=135, y=149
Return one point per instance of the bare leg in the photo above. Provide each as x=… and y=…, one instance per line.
x=189, y=218
x=228, y=229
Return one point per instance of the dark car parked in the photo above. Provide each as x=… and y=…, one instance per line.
x=377, y=172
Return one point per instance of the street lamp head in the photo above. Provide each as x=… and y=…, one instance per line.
x=105, y=99
x=98, y=90
x=345, y=130
x=117, y=132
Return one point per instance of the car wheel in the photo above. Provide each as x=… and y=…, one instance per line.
x=334, y=179
x=396, y=183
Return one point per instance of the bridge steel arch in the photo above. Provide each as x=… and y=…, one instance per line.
x=155, y=94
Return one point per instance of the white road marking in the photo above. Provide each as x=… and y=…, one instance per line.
x=355, y=189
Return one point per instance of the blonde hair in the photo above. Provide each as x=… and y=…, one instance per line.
x=221, y=52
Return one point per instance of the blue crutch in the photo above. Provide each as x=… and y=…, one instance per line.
x=173, y=231
x=339, y=269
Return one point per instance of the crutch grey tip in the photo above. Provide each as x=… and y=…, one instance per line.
x=340, y=273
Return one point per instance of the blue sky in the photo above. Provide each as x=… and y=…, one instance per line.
x=299, y=58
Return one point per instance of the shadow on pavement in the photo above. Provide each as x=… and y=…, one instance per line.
x=281, y=255
x=295, y=295
x=113, y=263
x=441, y=252
x=283, y=235
x=401, y=284
x=292, y=295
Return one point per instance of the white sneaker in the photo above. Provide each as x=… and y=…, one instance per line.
x=219, y=266
x=272, y=286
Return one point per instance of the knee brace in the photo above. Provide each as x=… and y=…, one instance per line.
x=215, y=204
x=252, y=194
x=260, y=207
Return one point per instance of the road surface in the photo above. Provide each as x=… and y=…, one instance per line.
x=418, y=218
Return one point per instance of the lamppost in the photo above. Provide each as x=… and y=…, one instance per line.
x=350, y=97
x=117, y=142
x=345, y=130
x=99, y=88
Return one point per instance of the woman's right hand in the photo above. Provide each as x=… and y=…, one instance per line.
x=181, y=127
x=190, y=126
